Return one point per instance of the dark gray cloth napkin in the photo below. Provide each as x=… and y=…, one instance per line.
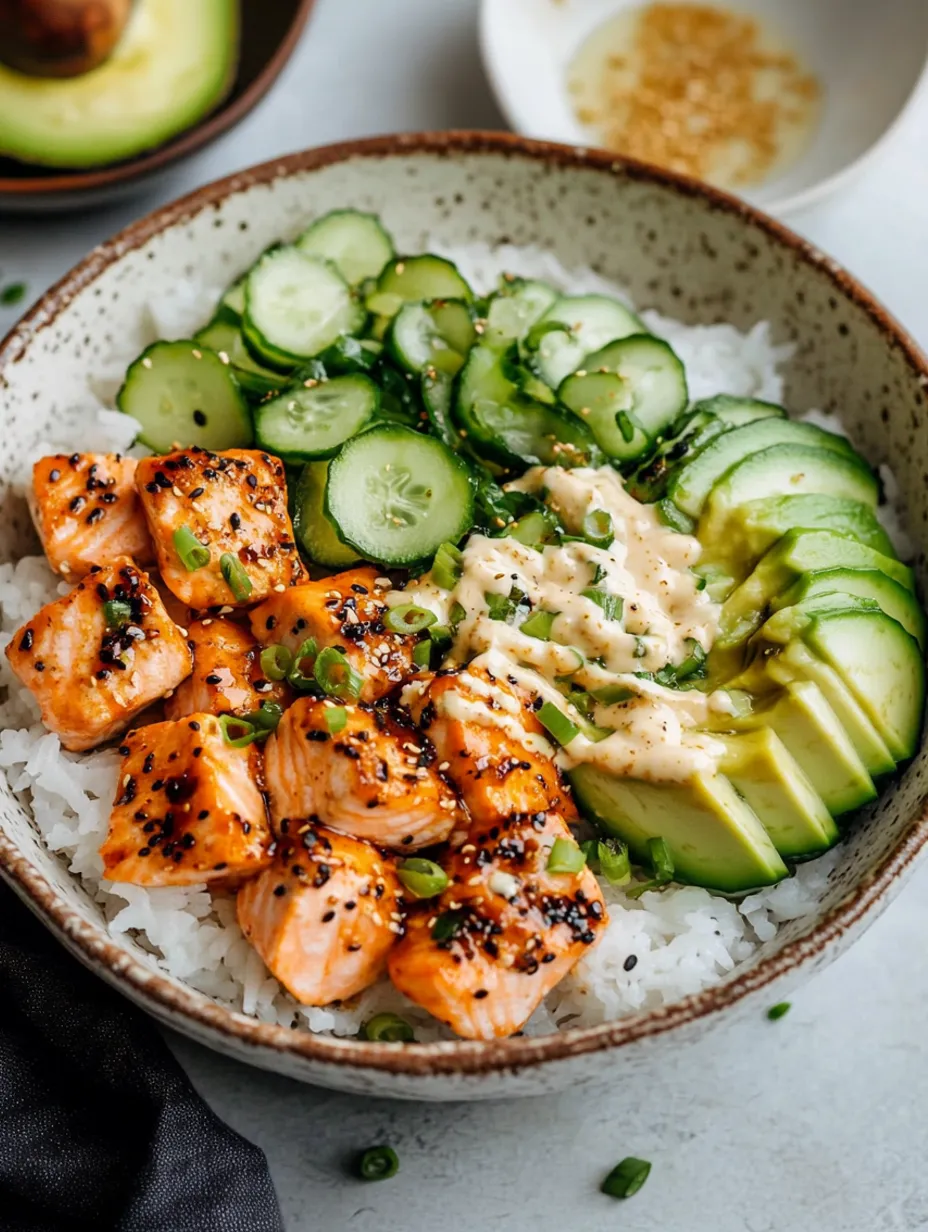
x=99, y=1126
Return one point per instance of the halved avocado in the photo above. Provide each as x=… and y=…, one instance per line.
x=175, y=62
x=714, y=837
x=794, y=815
x=798, y=552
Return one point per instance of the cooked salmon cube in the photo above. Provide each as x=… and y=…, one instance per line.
x=234, y=504
x=188, y=808
x=97, y=657
x=227, y=676
x=325, y=915
x=375, y=777
x=347, y=611
x=86, y=509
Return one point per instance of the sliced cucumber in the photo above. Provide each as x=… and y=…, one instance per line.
x=355, y=243
x=881, y=665
x=515, y=431
x=223, y=336
x=589, y=322
x=690, y=487
x=314, y=532
x=233, y=300
x=737, y=412
x=628, y=406
x=438, y=397
x=312, y=420
x=295, y=307
x=348, y=354
x=416, y=278
x=515, y=308
x=436, y=334
x=395, y=495
x=183, y=394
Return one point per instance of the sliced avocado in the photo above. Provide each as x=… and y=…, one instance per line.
x=870, y=584
x=759, y=766
x=798, y=552
x=690, y=487
x=881, y=665
x=175, y=62
x=714, y=837
x=789, y=622
x=756, y=525
x=796, y=662
x=784, y=471
x=807, y=725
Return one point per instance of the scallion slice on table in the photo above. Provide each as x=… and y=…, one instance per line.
x=422, y=878
x=626, y=1178
x=193, y=554
x=335, y=675
x=378, y=1163
x=778, y=1010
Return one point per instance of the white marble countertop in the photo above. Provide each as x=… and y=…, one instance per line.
x=811, y=1124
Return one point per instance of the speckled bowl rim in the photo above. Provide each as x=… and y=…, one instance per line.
x=94, y=947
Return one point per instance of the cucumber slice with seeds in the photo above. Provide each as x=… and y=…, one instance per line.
x=183, y=394
x=435, y=334
x=589, y=321
x=314, y=532
x=515, y=308
x=395, y=495
x=355, y=243
x=416, y=278
x=296, y=306
x=628, y=406
x=314, y=419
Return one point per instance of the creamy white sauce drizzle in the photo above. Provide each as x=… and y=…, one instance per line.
x=649, y=566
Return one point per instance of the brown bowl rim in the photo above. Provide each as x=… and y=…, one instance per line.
x=459, y=1057
x=226, y=116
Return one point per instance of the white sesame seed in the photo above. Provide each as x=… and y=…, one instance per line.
x=280, y=588
x=177, y=492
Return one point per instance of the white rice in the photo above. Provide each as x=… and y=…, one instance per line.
x=682, y=938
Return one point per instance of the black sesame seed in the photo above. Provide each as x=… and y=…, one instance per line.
x=480, y=994
x=94, y=516
x=280, y=891
x=199, y=418
x=144, y=851
x=203, y=814
x=25, y=642
x=270, y=623
x=197, y=492
x=252, y=481
x=630, y=963
x=212, y=678
x=235, y=521
x=193, y=725
x=329, y=915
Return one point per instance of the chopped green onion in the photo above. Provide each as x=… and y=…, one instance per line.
x=675, y=518
x=237, y=732
x=447, y=926
x=335, y=675
x=457, y=614
x=276, y=661
x=265, y=718
x=626, y=1178
x=296, y=676
x=612, y=605
x=12, y=293
x=695, y=663
x=116, y=613
x=531, y=530
x=565, y=857
x=777, y=1011
x=662, y=864
x=590, y=848
x=388, y=1028
x=613, y=861
x=597, y=529
x=378, y=1164
x=613, y=694
x=422, y=878
x=625, y=424
x=193, y=555
x=557, y=723
x=408, y=618
x=335, y=718
x=599, y=572
x=641, y=649
x=505, y=607
x=235, y=576
x=422, y=653
x=539, y=625
x=579, y=661
x=447, y=566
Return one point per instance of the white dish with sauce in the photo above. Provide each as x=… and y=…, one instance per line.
x=869, y=61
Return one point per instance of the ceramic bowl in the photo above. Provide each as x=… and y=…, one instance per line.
x=270, y=32
x=868, y=58
x=679, y=247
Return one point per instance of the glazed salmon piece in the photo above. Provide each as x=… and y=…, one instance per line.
x=97, y=657
x=227, y=677
x=86, y=510
x=376, y=778
x=233, y=503
x=345, y=610
x=188, y=808
x=483, y=955
x=325, y=915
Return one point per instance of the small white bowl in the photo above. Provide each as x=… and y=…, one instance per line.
x=869, y=57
